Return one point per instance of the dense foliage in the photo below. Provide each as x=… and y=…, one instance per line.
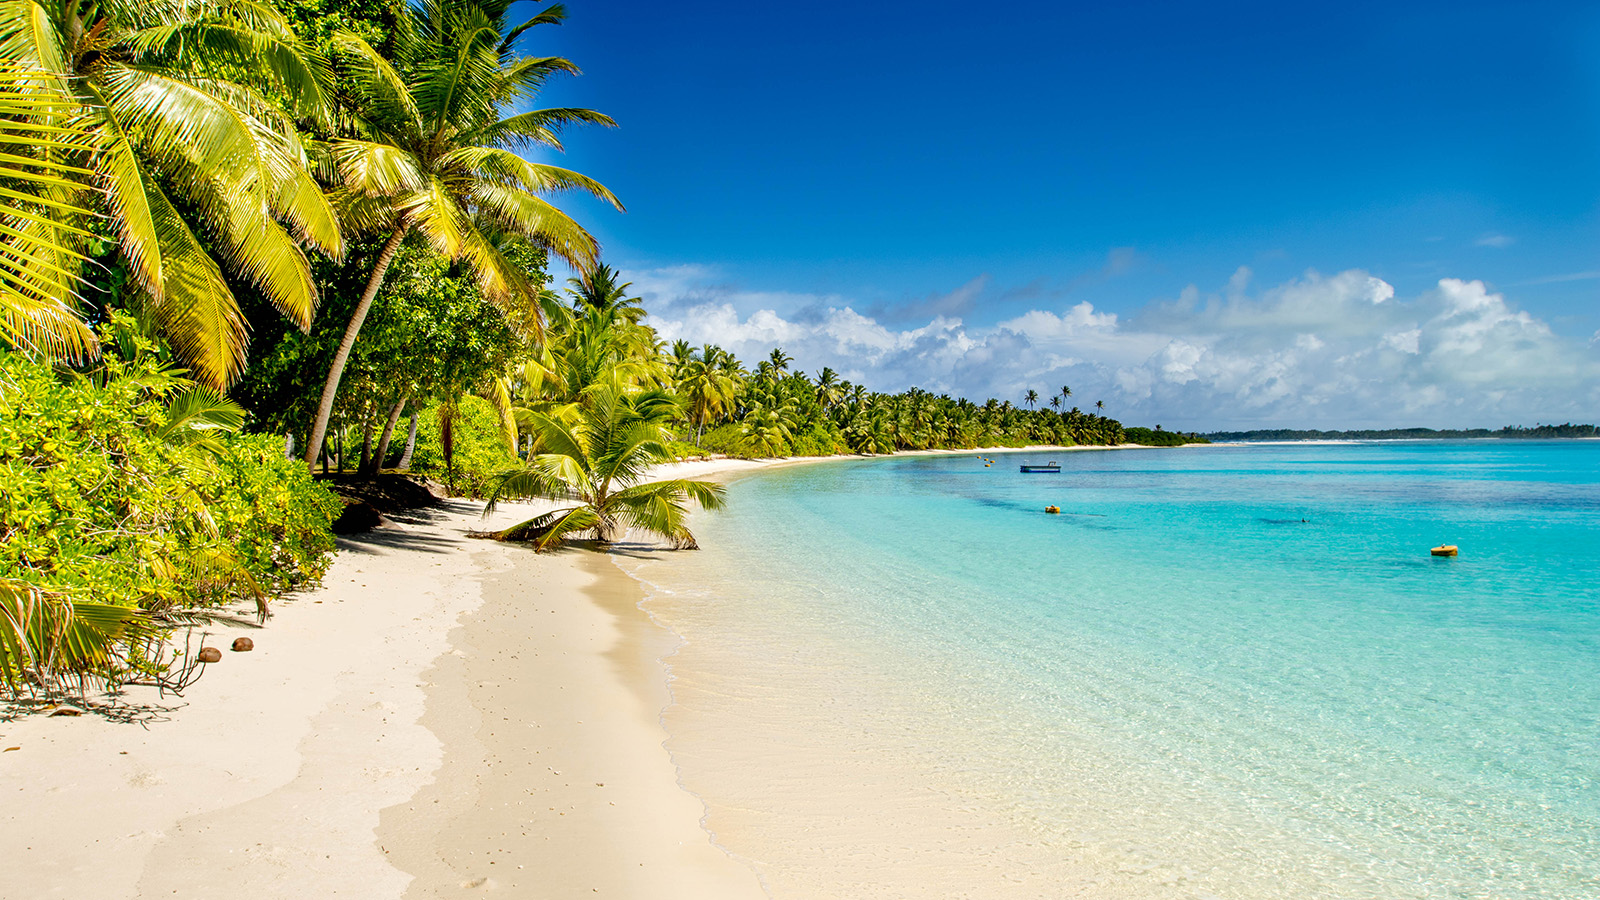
x=126, y=488
x=772, y=411
x=461, y=446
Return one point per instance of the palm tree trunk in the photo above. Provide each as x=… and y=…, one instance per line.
x=336, y=371
x=411, y=445
x=388, y=432
x=366, y=447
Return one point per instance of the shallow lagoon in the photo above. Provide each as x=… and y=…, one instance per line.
x=1221, y=671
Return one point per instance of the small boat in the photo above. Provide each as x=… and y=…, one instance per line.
x=1052, y=467
x=1444, y=550
x=1053, y=510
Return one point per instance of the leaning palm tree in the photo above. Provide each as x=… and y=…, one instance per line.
x=596, y=465
x=197, y=172
x=436, y=155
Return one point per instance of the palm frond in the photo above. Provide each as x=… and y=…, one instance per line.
x=524, y=77
x=659, y=507
x=273, y=55
x=195, y=308
x=40, y=270
x=377, y=169
x=48, y=638
x=501, y=281
x=197, y=413
x=28, y=37
x=521, y=213
x=500, y=398
x=378, y=80
x=435, y=213
x=552, y=15
x=539, y=127
x=548, y=530
x=450, y=81
x=504, y=167
x=181, y=123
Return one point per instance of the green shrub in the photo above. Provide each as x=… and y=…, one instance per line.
x=277, y=517
x=724, y=439
x=107, y=499
x=685, y=450
x=478, y=452
x=821, y=439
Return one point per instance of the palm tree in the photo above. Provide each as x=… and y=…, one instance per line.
x=1066, y=392
x=709, y=384
x=191, y=165
x=598, y=290
x=681, y=354
x=1100, y=406
x=767, y=430
x=597, y=465
x=436, y=155
x=779, y=360
x=830, y=389
x=1031, y=398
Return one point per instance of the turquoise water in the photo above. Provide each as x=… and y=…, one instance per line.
x=1221, y=671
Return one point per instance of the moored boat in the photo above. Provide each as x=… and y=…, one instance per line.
x=1052, y=467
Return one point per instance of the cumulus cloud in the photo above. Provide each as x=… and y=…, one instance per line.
x=1318, y=351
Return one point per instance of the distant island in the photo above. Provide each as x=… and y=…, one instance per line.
x=1537, y=432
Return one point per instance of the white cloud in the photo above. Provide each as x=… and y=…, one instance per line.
x=1497, y=241
x=1318, y=351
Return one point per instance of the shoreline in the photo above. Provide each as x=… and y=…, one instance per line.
x=302, y=763
x=554, y=780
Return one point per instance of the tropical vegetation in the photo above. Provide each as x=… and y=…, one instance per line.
x=132, y=502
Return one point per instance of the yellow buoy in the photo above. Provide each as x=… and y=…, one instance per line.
x=1444, y=550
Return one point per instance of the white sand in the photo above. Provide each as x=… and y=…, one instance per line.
x=391, y=687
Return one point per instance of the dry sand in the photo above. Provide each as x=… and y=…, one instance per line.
x=440, y=713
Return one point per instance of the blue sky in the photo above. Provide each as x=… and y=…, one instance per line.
x=1183, y=209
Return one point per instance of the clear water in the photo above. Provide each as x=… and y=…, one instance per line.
x=1222, y=671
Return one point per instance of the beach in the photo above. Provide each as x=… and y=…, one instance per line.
x=443, y=713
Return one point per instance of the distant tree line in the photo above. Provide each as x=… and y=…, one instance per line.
x=1537, y=432
x=1157, y=438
